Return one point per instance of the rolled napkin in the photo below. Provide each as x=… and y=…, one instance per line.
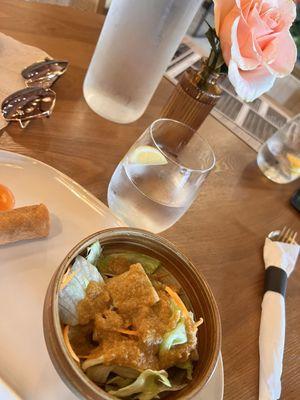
x=14, y=57
x=280, y=260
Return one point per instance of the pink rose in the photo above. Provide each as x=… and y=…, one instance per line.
x=256, y=43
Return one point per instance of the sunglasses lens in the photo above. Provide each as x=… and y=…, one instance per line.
x=28, y=103
x=44, y=73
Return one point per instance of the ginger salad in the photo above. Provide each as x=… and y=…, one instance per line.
x=126, y=325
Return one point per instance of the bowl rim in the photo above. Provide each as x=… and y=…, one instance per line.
x=53, y=317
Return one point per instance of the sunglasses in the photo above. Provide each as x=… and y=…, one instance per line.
x=37, y=100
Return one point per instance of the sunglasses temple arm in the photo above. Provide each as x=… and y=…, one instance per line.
x=23, y=124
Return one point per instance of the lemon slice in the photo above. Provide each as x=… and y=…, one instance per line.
x=147, y=155
x=294, y=162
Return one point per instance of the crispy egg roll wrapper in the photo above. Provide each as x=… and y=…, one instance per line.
x=29, y=222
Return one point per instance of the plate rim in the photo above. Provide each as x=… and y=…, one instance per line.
x=99, y=203
x=89, y=194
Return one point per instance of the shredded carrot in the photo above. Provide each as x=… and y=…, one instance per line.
x=198, y=323
x=127, y=332
x=68, y=344
x=178, y=301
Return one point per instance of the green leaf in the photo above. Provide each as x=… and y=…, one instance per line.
x=99, y=373
x=93, y=253
x=81, y=274
x=211, y=38
x=188, y=366
x=209, y=26
x=149, y=264
x=126, y=372
x=224, y=69
x=220, y=60
x=91, y=362
x=148, y=385
x=174, y=337
x=119, y=381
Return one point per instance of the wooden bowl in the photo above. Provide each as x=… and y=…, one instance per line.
x=200, y=299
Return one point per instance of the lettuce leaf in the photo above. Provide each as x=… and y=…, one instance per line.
x=148, y=385
x=119, y=381
x=149, y=264
x=91, y=362
x=174, y=337
x=188, y=366
x=99, y=374
x=93, y=253
x=126, y=372
x=70, y=293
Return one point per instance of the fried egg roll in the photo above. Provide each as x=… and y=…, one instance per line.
x=29, y=222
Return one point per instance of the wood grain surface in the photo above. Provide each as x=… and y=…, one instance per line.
x=223, y=232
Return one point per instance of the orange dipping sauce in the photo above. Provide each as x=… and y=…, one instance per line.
x=7, y=199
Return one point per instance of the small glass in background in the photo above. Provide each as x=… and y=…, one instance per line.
x=160, y=176
x=279, y=157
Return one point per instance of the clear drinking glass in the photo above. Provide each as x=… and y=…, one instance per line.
x=279, y=157
x=153, y=191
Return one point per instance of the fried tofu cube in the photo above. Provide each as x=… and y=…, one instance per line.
x=132, y=289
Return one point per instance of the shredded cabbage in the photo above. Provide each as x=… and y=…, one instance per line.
x=188, y=366
x=147, y=386
x=99, y=373
x=126, y=372
x=81, y=273
x=93, y=253
x=91, y=362
x=174, y=337
x=176, y=313
x=119, y=381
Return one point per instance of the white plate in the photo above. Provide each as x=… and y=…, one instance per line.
x=214, y=390
x=26, y=269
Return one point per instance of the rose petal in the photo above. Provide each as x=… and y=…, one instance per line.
x=225, y=34
x=264, y=41
x=249, y=85
x=258, y=25
x=243, y=48
x=221, y=9
x=288, y=12
x=280, y=54
x=269, y=48
x=271, y=18
x=268, y=5
x=246, y=6
x=256, y=43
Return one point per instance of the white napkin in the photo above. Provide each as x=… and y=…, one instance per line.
x=14, y=57
x=272, y=323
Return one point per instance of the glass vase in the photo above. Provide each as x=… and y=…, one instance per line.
x=194, y=96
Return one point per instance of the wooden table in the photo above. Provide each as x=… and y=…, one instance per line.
x=223, y=232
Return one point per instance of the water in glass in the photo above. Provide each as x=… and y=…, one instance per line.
x=279, y=156
x=154, y=197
